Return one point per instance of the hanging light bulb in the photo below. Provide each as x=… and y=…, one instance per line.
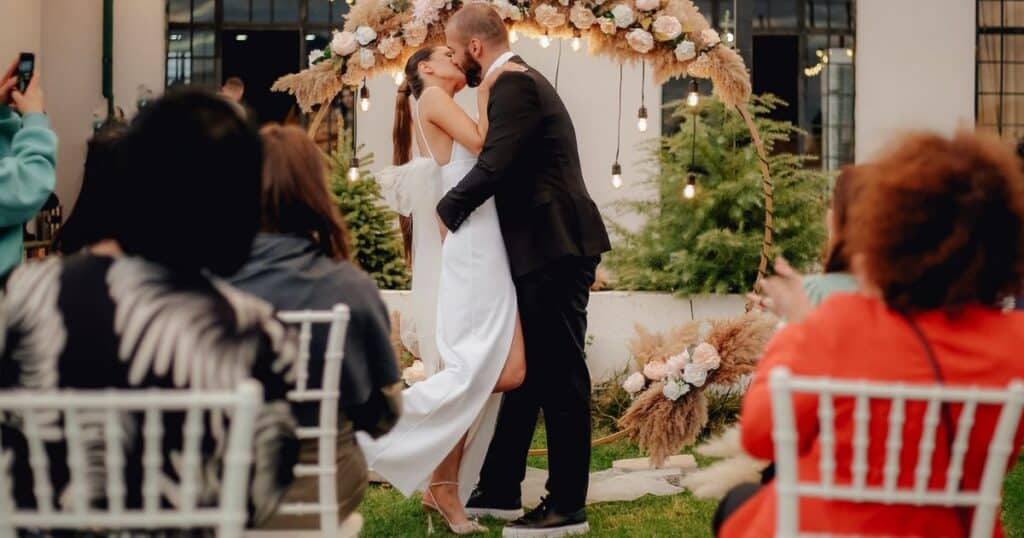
x=849, y=52
x=641, y=120
x=577, y=42
x=729, y=38
x=693, y=98
x=513, y=36
x=690, y=190
x=545, y=41
x=399, y=78
x=353, y=170
x=364, y=98
x=617, y=175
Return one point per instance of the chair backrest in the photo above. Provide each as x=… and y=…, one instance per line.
x=985, y=500
x=326, y=430
x=34, y=413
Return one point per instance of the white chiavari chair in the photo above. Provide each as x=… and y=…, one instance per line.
x=985, y=500
x=29, y=410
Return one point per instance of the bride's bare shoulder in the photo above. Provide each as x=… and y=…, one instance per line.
x=434, y=98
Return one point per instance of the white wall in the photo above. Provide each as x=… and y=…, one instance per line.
x=19, y=29
x=589, y=86
x=140, y=49
x=915, y=69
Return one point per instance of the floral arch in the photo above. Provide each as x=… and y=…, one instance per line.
x=670, y=35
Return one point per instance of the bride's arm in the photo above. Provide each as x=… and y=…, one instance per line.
x=452, y=119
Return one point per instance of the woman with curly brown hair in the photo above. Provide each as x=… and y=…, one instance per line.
x=938, y=242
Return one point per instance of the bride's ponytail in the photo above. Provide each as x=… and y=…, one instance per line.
x=402, y=130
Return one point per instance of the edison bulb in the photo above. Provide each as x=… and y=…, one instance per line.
x=849, y=52
x=577, y=43
x=353, y=173
x=641, y=125
x=729, y=37
x=689, y=192
x=617, y=181
x=513, y=36
x=364, y=104
x=399, y=78
x=545, y=41
x=693, y=99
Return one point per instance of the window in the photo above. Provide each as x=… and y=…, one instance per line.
x=999, y=81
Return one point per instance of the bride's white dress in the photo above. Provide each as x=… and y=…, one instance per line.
x=475, y=322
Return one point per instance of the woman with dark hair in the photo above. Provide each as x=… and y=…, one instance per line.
x=463, y=321
x=93, y=222
x=188, y=190
x=938, y=243
x=300, y=261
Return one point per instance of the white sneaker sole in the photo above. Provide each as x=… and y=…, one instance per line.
x=504, y=515
x=568, y=530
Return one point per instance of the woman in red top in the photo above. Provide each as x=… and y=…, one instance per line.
x=939, y=241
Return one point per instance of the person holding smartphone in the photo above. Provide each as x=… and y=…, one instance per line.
x=28, y=157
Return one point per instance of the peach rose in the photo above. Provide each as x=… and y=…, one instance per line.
x=549, y=16
x=390, y=47
x=634, y=383
x=667, y=28
x=655, y=370
x=582, y=17
x=640, y=40
x=344, y=43
x=648, y=5
x=607, y=25
x=415, y=33
x=707, y=356
x=366, y=58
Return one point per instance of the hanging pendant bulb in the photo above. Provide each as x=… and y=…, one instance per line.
x=513, y=36
x=399, y=78
x=690, y=190
x=353, y=170
x=693, y=98
x=617, y=175
x=364, y=98
x=641, y=120
x=577, y=42
x=545, y=41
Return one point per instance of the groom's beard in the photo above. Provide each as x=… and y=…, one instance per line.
x=474, y=71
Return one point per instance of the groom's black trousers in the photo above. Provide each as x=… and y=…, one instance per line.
x=553, y=310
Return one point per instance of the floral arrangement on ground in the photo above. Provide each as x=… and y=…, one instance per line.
x=670, y=405
x=671, y=35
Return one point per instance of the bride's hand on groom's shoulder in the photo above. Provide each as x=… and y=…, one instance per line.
x=509, y=67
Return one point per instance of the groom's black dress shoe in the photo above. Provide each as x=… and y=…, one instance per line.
x=545, y=522
x=482, y=505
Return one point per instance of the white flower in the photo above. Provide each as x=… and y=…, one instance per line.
x=673, y=390
x=667, y=28
x=414, y=373
x=365, y=35
x=599, y=2
x=695, y=375
x=582, y=17
x=707, y=356
x=366, y=58
x=640, y=40
x=685, y=50
x=624, y=15
x=634, y=383
x=655, y=370
x=607, y=25
x=344, y=43
x=676, y=363
x=648, y=5
x=710, y=37
x=415, y=33
x=564, y=2
x=505, y=9
x=549, y=16
x=390, y=47
x=315, y=55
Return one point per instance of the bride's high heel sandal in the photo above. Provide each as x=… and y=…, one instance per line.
x=470, y=526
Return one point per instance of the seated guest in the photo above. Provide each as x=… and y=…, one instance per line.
x=92, y=222
x=188, y=190
x=300, y=261
x=938, y=242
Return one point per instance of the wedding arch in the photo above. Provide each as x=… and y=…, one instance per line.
x=670, y=35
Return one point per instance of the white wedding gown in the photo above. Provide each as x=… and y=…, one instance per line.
x=475, y=322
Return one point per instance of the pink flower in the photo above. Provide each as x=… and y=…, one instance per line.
x=607, y=25
x=667, y=28
x=549, y=16
x=655, y=370
x=344, y=43
x=710, y=37
x=707, y=356
x=415, y=33
x=634, y=383
x=648, y=5
x=390, y=47
x=640, y=40
x=676, y=363
x=582, y=17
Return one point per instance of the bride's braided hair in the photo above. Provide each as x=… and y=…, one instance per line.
x=401, y=133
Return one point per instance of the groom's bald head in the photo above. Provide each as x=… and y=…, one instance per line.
x=477, y=21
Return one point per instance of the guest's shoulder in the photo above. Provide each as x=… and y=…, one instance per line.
x=353, y=286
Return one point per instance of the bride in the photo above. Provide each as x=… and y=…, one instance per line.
x=462, y=285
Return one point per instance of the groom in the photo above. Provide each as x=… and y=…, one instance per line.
x=554, y=236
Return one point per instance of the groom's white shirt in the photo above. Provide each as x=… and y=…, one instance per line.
x=502, y=60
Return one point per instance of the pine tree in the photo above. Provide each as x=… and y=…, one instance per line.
x=376, y=241
x=712, y=243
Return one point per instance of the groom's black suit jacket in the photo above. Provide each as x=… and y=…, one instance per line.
x=531, y=165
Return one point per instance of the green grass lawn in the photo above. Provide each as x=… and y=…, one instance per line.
x=388, y=514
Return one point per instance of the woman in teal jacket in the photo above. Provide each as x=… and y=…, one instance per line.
x=28, y=159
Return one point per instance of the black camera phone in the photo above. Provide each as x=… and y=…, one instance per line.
x=26, y=66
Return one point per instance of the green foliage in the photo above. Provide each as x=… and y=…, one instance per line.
x=712, y=243
x=376, y=241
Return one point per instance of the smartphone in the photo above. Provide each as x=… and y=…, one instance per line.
x=26, y=66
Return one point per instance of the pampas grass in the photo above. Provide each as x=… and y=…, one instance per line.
x=662, y=427
x=316, y=85
x=647, y=346
x=735, y=467
x=740, y=342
